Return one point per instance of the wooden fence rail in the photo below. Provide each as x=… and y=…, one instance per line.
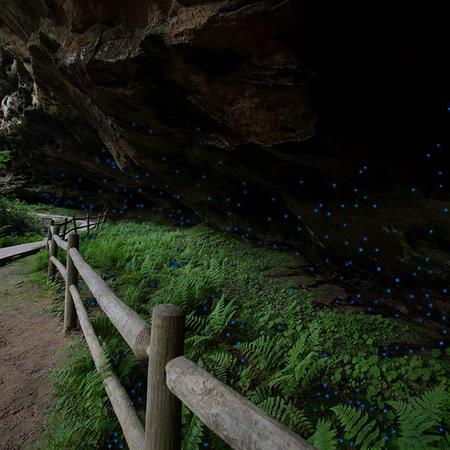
x=172, y=379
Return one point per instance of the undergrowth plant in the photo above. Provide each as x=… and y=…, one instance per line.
x=17, y=223
x=326, y=375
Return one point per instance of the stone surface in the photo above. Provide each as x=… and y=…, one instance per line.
x=206, y=111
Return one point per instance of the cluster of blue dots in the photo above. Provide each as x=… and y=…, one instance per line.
x=116, y=440
x=333, y=230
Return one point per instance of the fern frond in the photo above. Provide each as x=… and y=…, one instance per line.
x=324, y=438
x=286, y=413
x=220, y=364
x=196, y=323
x=356, y=426
x=418, y=416
x=220, y=316
x=303, y=364
x=264, y=351
x=104, y=328
x=194, y=433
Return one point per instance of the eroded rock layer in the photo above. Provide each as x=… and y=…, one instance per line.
x=206, y=111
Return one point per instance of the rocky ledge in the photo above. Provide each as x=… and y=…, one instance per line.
x=206, y=111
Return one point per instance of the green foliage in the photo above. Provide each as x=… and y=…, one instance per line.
x=301, y=366
x=52, y=209
x=324, y=438
x=357, y=427
x=193, y=431
x=261, y=333
x=419, y=416
x=418, y=420
x=81, y=416
x=286, y=413
x=212, y=328
x=16, y=219
x=8, y=241
x=5, y=157
x=220, y=364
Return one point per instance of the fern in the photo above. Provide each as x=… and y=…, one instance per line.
x=104, y=328
x=196, y=323
x=324, y=438
x=193, y=435
x=444, y=443
x=220, y=316
x=418, y=416
x=286, y=413
x=302, y=366
x=357, y=427
x=217, y=279
x=220, y=364
x=264, y=351
x=215, y=324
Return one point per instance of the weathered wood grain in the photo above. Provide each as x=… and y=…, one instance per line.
x=236, y=420
x=163, y=415
x=53, y=249
x=121, y=403
x=130, y=325
x=15, y=251
x=59, y=265
x=60, y=242
x=70, y=317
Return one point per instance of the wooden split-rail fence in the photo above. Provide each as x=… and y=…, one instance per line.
x=172, y=378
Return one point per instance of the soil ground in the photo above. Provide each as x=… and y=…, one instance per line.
x=29, y=342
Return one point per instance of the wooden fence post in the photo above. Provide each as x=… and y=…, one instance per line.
x=70, y=316
x=102, y=222
x=75, y=224
x=49, y=233
x=63, y=234
x=53, y=252
x=88, y=223
x=163, y=414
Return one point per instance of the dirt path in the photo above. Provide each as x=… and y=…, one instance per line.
x=29, y=340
